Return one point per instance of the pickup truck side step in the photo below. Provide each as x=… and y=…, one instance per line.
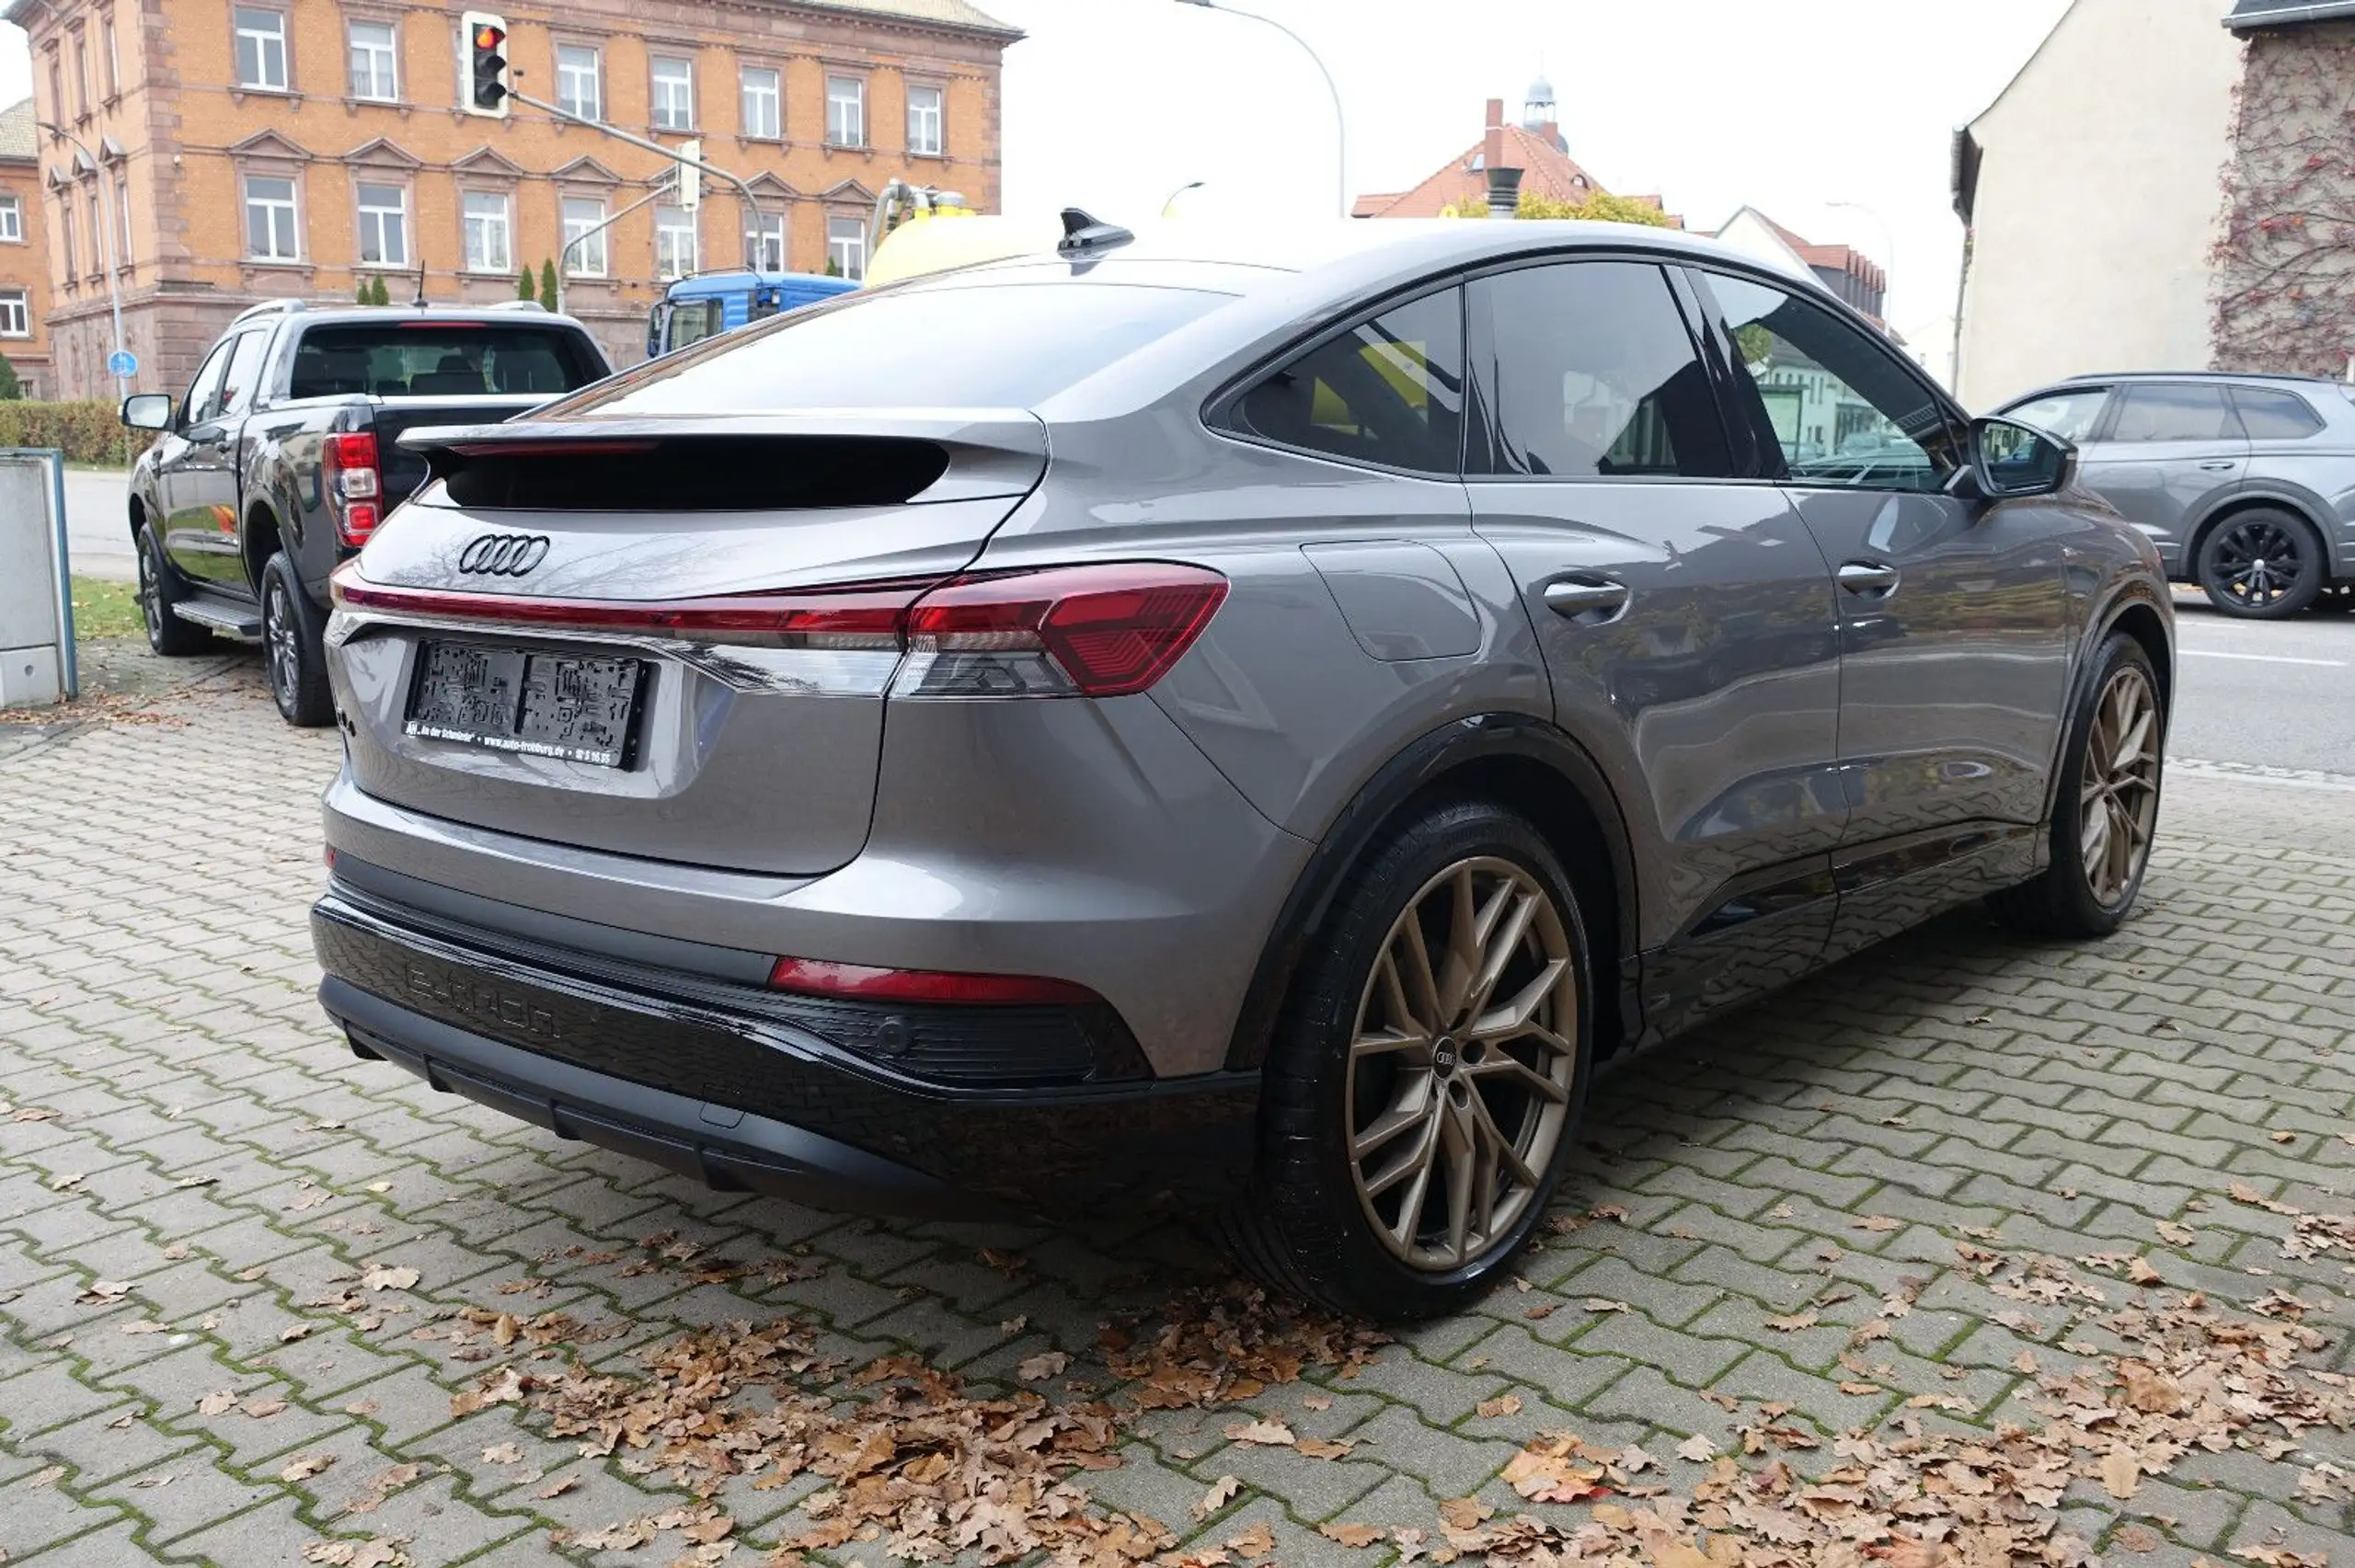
x=226, y=617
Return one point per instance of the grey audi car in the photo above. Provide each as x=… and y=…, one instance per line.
x=2246, y=483
x=1230, y=726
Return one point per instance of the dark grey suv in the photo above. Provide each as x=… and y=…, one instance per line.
x=2246, y=483
x=1234, y=724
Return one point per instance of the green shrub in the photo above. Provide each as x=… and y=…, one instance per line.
x=88, y=432
x=10, y=387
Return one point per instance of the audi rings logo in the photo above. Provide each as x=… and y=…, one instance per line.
x=504, y=555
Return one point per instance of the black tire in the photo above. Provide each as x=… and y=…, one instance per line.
x=293, y=647
x=159, y=590
x=2064, y=901
x=1305, y=1227
x=2261, y=565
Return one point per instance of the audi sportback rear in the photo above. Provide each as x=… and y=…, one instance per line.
x=1230, y=729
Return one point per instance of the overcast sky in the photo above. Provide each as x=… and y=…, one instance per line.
x=1786, y=105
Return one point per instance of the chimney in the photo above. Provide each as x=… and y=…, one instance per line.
x=1504, y=191
x=1492, y=149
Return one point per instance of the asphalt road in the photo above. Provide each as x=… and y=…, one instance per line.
x=2252, y=693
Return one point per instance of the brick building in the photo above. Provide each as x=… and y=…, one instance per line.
x=24, y=254
x=244, y=150
x=1535, y=147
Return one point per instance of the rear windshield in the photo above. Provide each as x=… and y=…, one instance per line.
x=442, y=359
x=1008, y=346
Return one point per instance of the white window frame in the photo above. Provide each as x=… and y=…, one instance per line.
x=263, y=43
x=846, y=246
x=845, y=112
x=765, y=242
x=15, y=303
x=12, y=218
x=386, y=57
x=934, y=116
x=398, y=212
x=568, y=73
x=499, y=224
x=290, y=206
x=591, y=259
x=674, y=228
x=667, y=114
x=770, y=126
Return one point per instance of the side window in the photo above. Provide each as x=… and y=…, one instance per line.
x=238, y=387
x=204, y=392
x=1837, y=405
x=2068, y=415
x=2175, y=411
x=1587, y=371
x=2271, y=416
x=1389, y=391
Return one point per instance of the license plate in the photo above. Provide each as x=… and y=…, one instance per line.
x=542, y=705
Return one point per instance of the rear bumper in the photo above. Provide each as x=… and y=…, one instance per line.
x=713, y=1082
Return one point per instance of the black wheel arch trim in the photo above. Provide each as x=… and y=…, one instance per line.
x=2126, y=599
x=1425, y=762
x=2306, y=508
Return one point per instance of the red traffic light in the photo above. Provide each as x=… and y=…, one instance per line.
x=488, y=38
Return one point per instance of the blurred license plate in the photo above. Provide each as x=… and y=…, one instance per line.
x=544, y=704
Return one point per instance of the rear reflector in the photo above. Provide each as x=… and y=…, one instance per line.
x=808, y=976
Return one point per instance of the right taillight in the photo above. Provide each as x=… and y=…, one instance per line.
x=354, y=485
x=1103, y=631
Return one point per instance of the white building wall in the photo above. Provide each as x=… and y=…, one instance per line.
x=2099, y=198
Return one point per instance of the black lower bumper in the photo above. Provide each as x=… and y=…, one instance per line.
x=662, y=1066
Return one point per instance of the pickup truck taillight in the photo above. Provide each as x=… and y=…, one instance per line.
x=348, y=473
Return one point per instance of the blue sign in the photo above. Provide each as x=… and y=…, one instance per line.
x=122, y=364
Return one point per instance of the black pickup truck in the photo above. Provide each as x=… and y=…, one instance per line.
x=284, y=456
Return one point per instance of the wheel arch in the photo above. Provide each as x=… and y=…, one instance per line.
x=259, y=538
x=1530, y=765
x=2134, y=609
x=2305, y=509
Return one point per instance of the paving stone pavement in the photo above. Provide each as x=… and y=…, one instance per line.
x=219, y=1158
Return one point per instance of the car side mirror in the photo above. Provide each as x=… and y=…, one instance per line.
x=148, y=411
x=2010, y=461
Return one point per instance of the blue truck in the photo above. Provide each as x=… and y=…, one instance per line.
x=712, y=302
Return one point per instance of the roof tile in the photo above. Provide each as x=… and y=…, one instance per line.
x=17, y=138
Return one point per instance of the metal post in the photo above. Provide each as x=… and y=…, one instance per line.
x=752, y=202
x=1340, y=120
x=591, y=233
x=108, y=222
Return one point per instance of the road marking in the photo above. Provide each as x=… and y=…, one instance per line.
x=2267, y=658
x=2251, y=773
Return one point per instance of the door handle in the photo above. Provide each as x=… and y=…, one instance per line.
x=1868, y=579
x=1590, y=600
x=2220, y=466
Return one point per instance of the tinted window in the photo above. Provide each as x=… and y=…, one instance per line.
x=2271, y=416
x=1841, y=409
x=204, y=392
x=2068, y=415
x=1587, y=370
x=1388, y=390
x=439, y=358
x=2179, y=412
x=238, y=388
x=1003, y=346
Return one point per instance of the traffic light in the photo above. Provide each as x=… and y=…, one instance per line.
x=487, y=70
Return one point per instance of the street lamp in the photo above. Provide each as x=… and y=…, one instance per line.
x=1889, y=242
x=1190, y=185
x=114, y=289
x=1340, y=121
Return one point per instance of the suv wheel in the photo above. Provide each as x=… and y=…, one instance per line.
x=2108, y=810
x=2263, y=564
x=1427, y=1080
x=158, y=591
x=294, y=646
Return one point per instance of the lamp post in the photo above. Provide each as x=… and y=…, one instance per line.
x=114, y=289
x=1888, y=243
x=1341, y=120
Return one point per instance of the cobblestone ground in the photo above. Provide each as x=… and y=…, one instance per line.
x=213, y=1165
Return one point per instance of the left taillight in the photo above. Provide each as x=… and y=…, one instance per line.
x=353, y=483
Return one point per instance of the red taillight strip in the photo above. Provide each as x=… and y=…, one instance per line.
x=555, y=449
x=857, y=615
x=809, y=976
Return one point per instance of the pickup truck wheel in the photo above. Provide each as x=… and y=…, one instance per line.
x=294, y=645
x=158, y=591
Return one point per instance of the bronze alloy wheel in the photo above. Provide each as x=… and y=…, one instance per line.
x=1462, y=1064
x=2119, y=791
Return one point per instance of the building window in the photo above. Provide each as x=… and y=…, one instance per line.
x=764, y=103
x=585, y=238
x=674, y=94
x=16, y=318
x=846, y=247
x=98, y=233
x=675, y=243
x=765, y=243
x=924, y=121
x=373, y=56
x=56, y=92
x=384, y=226
x=270, y=234
x=488, y=228
x=846, y=111
x=579, y=84
x=122, y=219
x=261, y=50
x=65, y=239
x=114, y=60
x=82, y=73
x=12, y=220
